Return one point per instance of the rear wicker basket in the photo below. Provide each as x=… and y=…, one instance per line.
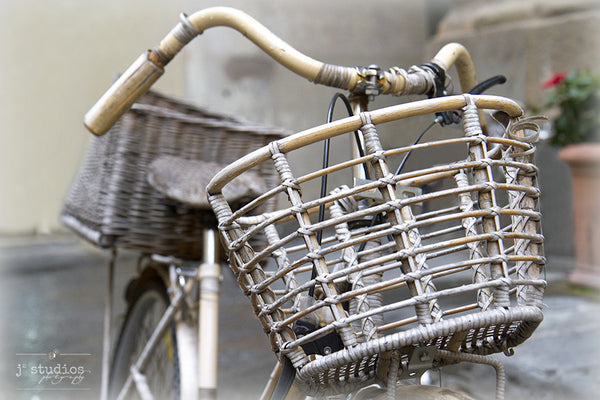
x=439, y=263
x=111, y=203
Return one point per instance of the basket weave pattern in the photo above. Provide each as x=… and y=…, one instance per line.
x=111, y=203
x=447, y=256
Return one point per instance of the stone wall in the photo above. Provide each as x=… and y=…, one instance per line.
x=528, y=41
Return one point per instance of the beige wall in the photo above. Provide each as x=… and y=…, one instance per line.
x=56, y=58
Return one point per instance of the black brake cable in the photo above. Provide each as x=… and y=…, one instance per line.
x=326, y=148
x=417, y=140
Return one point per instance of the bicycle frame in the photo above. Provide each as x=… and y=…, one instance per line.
x=209, y=274
x=361, y=82
x=203, y=365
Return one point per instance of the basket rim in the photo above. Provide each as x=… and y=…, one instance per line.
x=349, y=124
x=420, y=334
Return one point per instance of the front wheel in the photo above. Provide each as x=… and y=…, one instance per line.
x=162, y=371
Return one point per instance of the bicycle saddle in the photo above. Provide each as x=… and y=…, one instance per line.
x=185, y=181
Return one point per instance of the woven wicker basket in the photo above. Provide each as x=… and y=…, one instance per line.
x=415, y=269
x=111, y=203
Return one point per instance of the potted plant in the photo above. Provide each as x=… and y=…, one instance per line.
x=574, y=103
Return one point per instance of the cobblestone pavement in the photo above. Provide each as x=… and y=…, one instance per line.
x=52, y=300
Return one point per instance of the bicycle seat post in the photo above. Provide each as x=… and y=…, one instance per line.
x=209, y=275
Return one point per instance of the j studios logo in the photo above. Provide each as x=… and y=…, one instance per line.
x=52, y=369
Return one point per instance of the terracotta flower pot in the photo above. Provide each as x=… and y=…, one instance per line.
x=584, y=163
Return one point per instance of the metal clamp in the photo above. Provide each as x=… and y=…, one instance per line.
x=420, y=359
x=370, y=84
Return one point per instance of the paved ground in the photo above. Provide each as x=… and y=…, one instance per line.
x=51, y=292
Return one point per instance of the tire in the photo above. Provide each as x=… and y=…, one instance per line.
x=149, y=302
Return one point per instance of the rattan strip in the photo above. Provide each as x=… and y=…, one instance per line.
x=412, y=320
x=525, y=223
x=417, y=199
x=293, y=192
x=530, y=317
x=504, y=283
x=407, y=179
x=383, y=233
x=327, y=250
x=239, y=258
x=393, y=283
x=351, y=124
x=487, y=200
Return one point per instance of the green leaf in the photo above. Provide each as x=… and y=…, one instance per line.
x=578, y=100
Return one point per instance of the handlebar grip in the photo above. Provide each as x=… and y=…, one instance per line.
x=134, y=82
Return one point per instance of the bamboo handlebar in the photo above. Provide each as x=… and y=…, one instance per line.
x=142, y=74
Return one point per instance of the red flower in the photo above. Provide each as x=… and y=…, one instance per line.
x=554, y=80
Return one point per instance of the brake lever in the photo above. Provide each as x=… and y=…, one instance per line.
x=488, y=83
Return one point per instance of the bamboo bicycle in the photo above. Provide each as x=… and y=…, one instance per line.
x=364, y=285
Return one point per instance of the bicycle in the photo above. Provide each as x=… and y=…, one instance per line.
x=361, y=286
